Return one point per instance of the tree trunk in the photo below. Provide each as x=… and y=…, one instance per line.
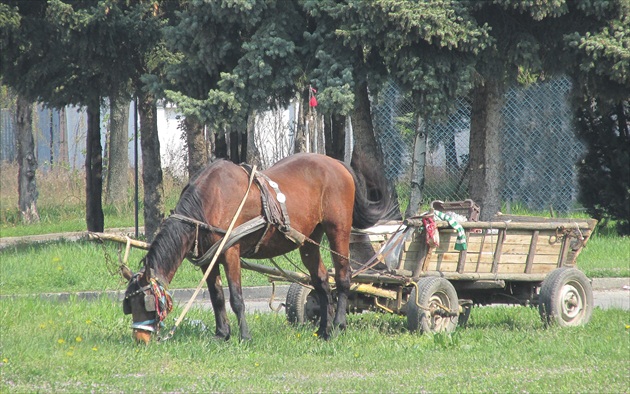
x=63, y=138
x=299, y=144
x=235, y=144
x=362, y=127
x=94, y=170
x=118, y=161
x=220, y=148
x=196, y=145
x=417, y=169
x=252, y=155
x=151, y=166
x=485, y=125
x=335, y=136
x=27, y=162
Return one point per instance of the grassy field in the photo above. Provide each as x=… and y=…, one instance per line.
x=61, y=202
x=83, y=265
x=82, y=346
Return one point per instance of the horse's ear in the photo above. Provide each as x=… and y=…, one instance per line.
x=126, y=272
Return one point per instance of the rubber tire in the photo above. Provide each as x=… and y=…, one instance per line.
x=302, y=305
x=560, y=286
x=432, y=289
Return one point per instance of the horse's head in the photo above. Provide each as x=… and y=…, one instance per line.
x=147, y=301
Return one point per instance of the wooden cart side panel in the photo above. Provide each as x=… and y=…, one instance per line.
x=520, y=251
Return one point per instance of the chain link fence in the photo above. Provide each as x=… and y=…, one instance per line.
x=539, y=147
x=7, y=136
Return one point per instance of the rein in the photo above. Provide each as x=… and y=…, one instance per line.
x=214, y=259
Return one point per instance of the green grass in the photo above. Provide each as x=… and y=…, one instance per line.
x=606, y=256
x=81, y=346
x=83, y=265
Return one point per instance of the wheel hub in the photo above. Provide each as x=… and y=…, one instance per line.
x=572, y=301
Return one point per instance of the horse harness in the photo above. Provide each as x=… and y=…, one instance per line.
x=156, y=299
x=274, y=214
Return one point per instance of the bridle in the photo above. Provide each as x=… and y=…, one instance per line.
x=156, y=299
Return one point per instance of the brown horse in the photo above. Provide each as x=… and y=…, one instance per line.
x=323, y=196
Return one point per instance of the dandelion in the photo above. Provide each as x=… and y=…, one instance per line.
x=94, y=348
x=5, y=360
x=299, y=335
x=78, y=339
x=59, y=268
x=42, y=326
x=88, y=321
x=627, y=326
x=69, y=354
x=61, y=341
x=256, y=365
x=56, y=259
x=315, y=334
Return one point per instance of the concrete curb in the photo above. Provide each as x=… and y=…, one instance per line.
x=179, y=295
x=604, y=284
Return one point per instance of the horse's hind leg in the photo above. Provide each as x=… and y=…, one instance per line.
x=218, y=303
x=340, y=245
x=232, y=264
x=319, y=278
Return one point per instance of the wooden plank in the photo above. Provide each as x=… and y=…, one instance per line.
x=543, y=268
x=543, y=247
x=542, y=259
x=489, y=276
x=510, y=248
x=450, y=257
x=484, y=268
x=511, y=268
x=479, y=258
x=463, y=255
x=444, y=267
x=479, y=255
x=514, y=259
x=532, y=252
x=497, y=252
x=563, y=251
x=513, y=225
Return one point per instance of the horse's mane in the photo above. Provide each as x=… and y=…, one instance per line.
x=166, y=249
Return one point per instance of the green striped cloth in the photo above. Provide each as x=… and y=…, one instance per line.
x=460, y=242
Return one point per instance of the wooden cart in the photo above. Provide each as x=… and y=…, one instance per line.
x=509, y=260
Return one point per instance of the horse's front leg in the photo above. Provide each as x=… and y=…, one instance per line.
x=232, y=264
x=218, y=303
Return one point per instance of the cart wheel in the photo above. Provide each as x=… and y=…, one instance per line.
x=302, y=305
x=437, y=307
x=566, y=298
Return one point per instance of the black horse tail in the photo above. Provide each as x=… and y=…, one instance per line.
x=372, y=198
